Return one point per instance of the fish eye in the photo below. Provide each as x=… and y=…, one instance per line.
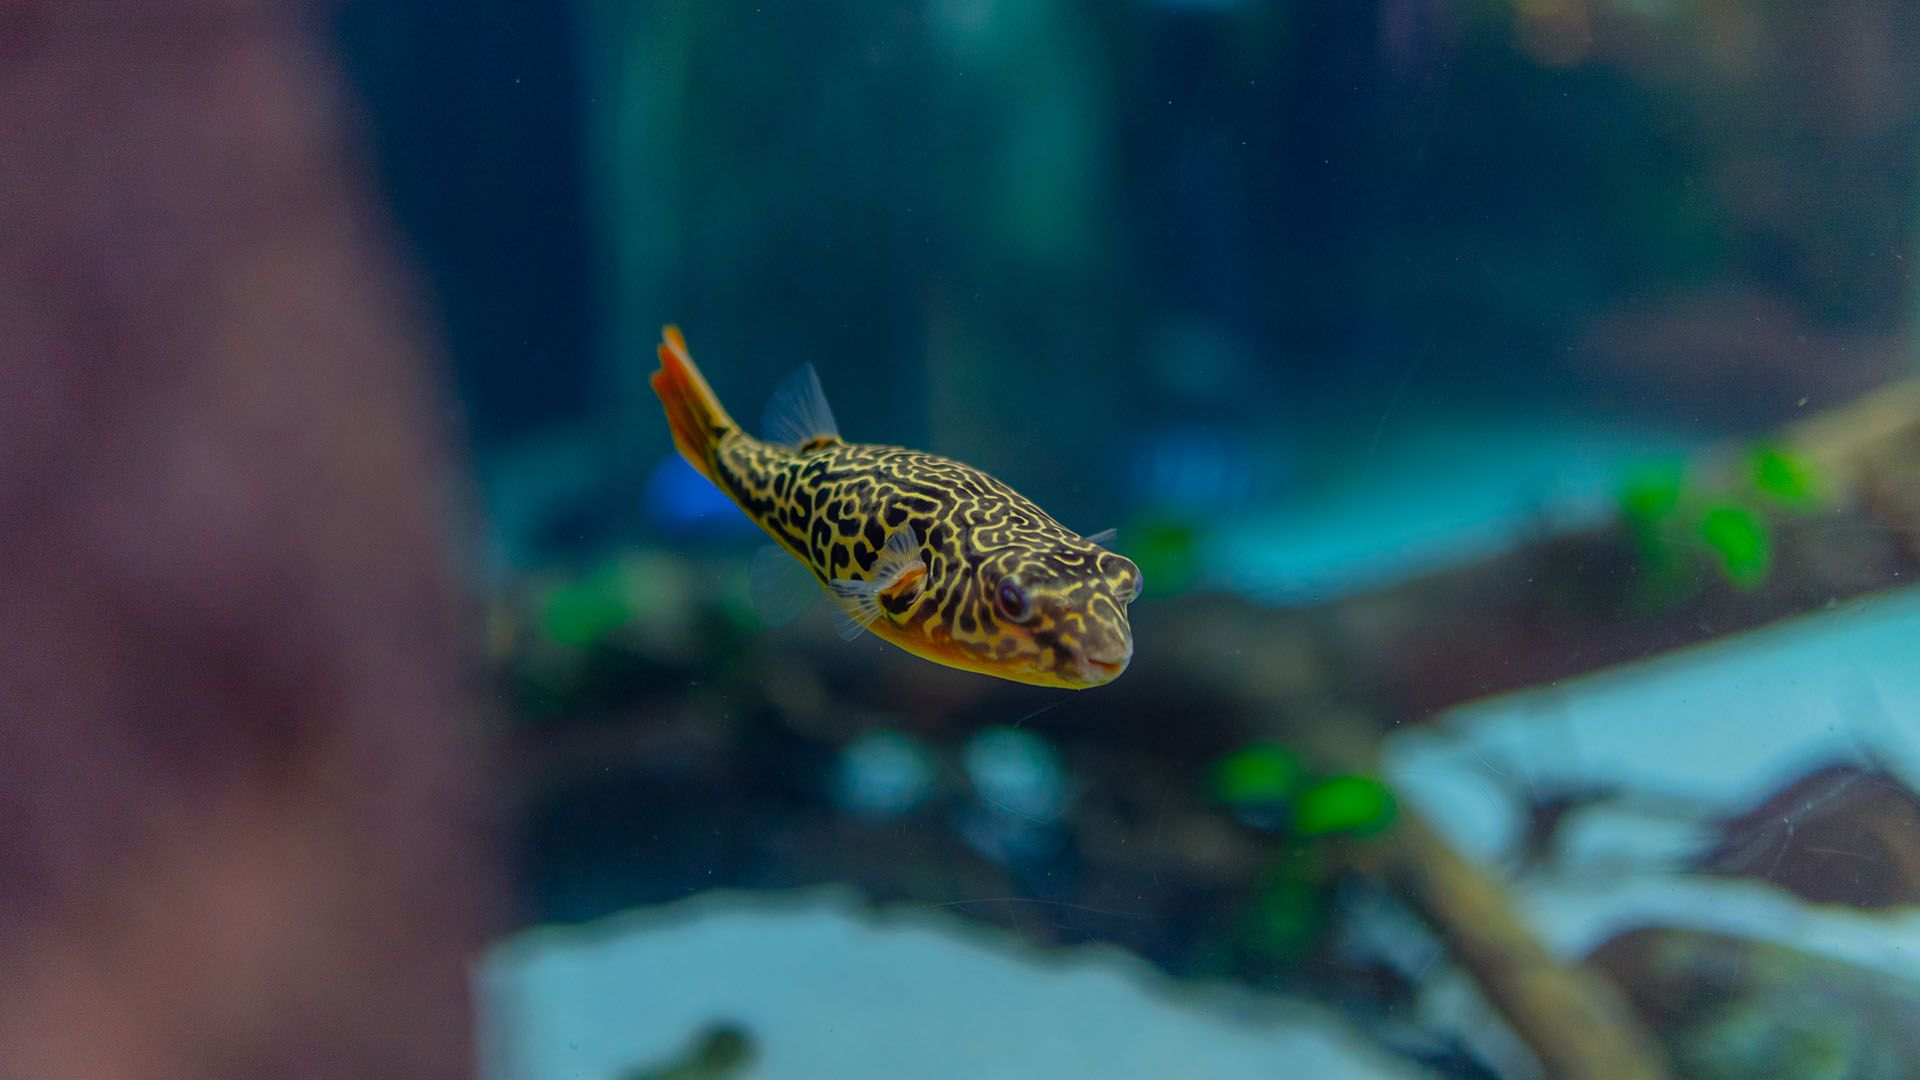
x=1011, y=599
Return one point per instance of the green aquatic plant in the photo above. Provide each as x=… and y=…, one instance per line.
x=1288, y=910
x=585, y=612
x=1680, y=525
x=720, y=1052
x=1740, y=543
x=1266, y=785
x=1355, y=805
x=1652, y=492
x=1167, y=550
x=1784, y=477
x=1650, y=502
x=1263, y=774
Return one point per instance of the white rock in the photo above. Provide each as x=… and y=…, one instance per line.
x=827, y=989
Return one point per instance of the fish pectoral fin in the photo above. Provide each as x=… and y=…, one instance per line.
x=1105, y=537
x=781, y=587
x=908, y=584
x=847, y=626
x=898, y=571
x=798, y=415
x=859, y=606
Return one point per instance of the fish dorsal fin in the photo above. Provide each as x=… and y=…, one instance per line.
x=898, y=571
x=798, y=415
x=1104, y=537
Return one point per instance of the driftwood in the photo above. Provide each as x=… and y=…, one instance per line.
x=1577, y=1024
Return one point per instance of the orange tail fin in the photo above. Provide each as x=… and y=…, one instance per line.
x=693, y=412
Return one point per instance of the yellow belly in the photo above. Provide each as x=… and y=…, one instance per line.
x=950, y=655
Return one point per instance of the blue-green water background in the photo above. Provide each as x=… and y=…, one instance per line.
x=1307, y=298
x=1225, y=254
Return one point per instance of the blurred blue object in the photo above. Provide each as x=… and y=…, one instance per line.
x=882, y=775
x=1204, y=470
x=679, y=500
x=1018, y=774
x=1023, y=794
x=1438, y=491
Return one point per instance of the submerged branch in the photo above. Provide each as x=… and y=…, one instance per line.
x=1575, y=1022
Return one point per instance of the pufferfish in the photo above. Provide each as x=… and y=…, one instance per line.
x=929, y=554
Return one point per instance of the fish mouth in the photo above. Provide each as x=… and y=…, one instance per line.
x=1097, y=672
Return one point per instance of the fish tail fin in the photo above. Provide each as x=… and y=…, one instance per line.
x=693, y=412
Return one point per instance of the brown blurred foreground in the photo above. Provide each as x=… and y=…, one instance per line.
x=238, y=819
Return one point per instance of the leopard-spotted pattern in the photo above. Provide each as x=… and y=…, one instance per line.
x=989, y=583
x=832, y=504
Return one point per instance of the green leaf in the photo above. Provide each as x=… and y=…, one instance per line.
x=1285, y=918
x=1783, y=476
x=1263, y=773
x=1167, y=550
x=1740, y=540
x=585, y=612
x=1354, y=804
x=1652, y=491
